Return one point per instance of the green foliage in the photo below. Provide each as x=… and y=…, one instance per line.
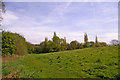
x=60, y=44
x=94, y=63
x=50, y=45
x=13, y=43
x=37, y=49
x=8, y=44
x=91, y=43
x=97, y=45
x=0, y=43
x=85, y=38
x=102, y=44
x=45, y=46
x=55, y=45
x=63, y=44
x=30, y=48
x=56, y=42
x=96, y=40
x=20, y=43
x=86, y=45
x=73, y=45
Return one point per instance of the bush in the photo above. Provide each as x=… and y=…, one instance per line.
x=86, y=45
x=30, y=48
x=8, y=44
x=13, y=43
x=20, y=43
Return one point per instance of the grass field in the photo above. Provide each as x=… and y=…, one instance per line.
x=101, y=62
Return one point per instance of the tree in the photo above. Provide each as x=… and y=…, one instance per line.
x=3, y=6
x=86, y=45
x=85, y=38
x=96, y=40
x=30, y=47
x=103, y=44
x=50, y=45
x=97, y=44
x=37, y=49
x=74, y=45
x=92, y=44
x=2, y=10
x=63, y=44
x=80, y=46
x=56, y=42
x=44, y=46
x=8, y=44
x=86, y=41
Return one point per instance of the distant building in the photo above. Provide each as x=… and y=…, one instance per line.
x=115, y=42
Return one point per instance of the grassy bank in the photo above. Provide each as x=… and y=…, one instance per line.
x=101, y=62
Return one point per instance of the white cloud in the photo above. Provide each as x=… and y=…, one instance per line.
x=107, y=37
x=60, y=10
x=38, y=34
x=35, y=31
x=56, y=15
x=9, y=17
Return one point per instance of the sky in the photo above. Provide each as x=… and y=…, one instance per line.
x=37, y=20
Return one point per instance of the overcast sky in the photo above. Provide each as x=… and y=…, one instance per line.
x=37, y=20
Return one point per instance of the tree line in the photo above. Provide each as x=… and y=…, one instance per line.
x=60, y=44
x=13, y=43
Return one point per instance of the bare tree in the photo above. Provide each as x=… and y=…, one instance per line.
x=2, y=10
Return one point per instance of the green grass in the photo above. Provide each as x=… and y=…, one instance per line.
x=101, y=62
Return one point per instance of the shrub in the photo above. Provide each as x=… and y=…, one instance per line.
x=8, y=44
x=13, y=43
x=20, y=43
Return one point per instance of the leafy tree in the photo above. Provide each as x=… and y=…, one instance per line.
x=74, y=45
x=103, y=44
x=85, y=38
x=8, y=44
x=96, y=40
x=86, y=45
x=30, y=47
x=50, y=45
x=2, y=10
x=20, y=43
x=63, y=44
x=56, y=42
x=37, y=49
x=92, y=44
x=97, y=44
x=13, y=43
x=80, y=46
x=45, y=46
